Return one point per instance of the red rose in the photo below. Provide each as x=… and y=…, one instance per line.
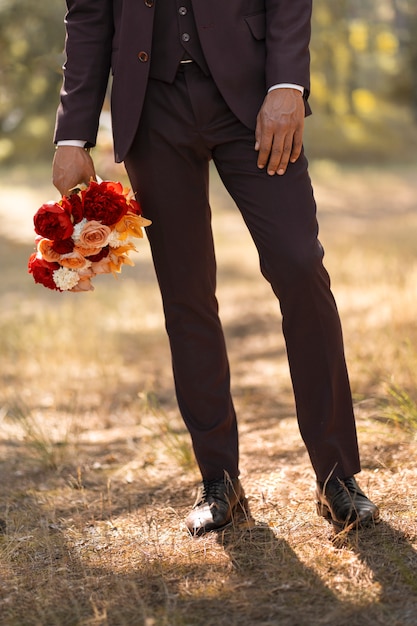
x=74, y=206
x=135, y=207
x=52, y=221
x=42, y=271
x=104, y=202
x=63, y=246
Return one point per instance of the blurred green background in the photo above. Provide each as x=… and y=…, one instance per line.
x=364, y=80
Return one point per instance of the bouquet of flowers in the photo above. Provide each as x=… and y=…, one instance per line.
x=86, y=233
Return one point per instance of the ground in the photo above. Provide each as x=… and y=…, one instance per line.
x=96, y=468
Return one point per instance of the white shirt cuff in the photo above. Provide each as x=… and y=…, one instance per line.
x=78, y=143
x=286, y=86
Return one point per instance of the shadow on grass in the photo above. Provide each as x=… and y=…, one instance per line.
x=288, y=592
x=391, y=558
x=231, y=579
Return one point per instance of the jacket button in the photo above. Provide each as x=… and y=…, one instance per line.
x=149, y=3
x=143, y=56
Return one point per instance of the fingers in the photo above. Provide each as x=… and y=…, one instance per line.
x=286, y=151
x=71, y=166
x=275, y=152
x=279, y=131
x=297, y=144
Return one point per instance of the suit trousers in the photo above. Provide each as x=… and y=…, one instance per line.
x=183, y=126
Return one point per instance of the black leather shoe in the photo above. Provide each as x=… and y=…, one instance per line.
x=222, y=502
x=343, y=503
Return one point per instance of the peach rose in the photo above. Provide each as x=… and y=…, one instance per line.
x=47, y=252
x=84, y=284
x=73, y=260
x=86, y=272
x=94, y=235
x=102, y=266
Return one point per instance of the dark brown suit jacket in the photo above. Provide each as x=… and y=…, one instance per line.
x=249, y=45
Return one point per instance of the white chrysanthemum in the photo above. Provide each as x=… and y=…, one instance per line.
x=78, y=228
x=65, y=278
x=114, y=240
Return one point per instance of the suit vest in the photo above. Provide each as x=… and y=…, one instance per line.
x=175, y=37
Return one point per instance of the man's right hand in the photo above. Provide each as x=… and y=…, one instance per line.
x=71, y=166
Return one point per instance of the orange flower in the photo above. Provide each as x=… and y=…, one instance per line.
x=119, y=256
x=122, y=250
x=47, y=252
x=87, y=251
x=73, y=260
x=131, y=225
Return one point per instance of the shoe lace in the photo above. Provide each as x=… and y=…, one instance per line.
x=344, y=495
x=214, y=489
x=347, y=495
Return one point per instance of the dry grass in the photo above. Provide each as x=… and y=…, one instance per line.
x=96, y=471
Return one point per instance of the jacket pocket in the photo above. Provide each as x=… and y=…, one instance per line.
x=257, y=25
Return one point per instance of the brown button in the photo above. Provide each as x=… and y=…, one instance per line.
x=149, y=3
x=143, y=56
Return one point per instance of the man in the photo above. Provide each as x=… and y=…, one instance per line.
x=195, y=80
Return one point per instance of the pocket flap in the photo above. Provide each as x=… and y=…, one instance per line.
x=257, y=25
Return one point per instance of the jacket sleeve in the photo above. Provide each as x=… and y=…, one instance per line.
x=88, y=46
x=288, y=31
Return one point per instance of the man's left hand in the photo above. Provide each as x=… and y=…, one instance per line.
x=279, y=130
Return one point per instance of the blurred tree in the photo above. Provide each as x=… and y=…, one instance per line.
x=364, y=79
x=332, y=58
x=364, y=76
x=405, y=86
x=31, y=43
